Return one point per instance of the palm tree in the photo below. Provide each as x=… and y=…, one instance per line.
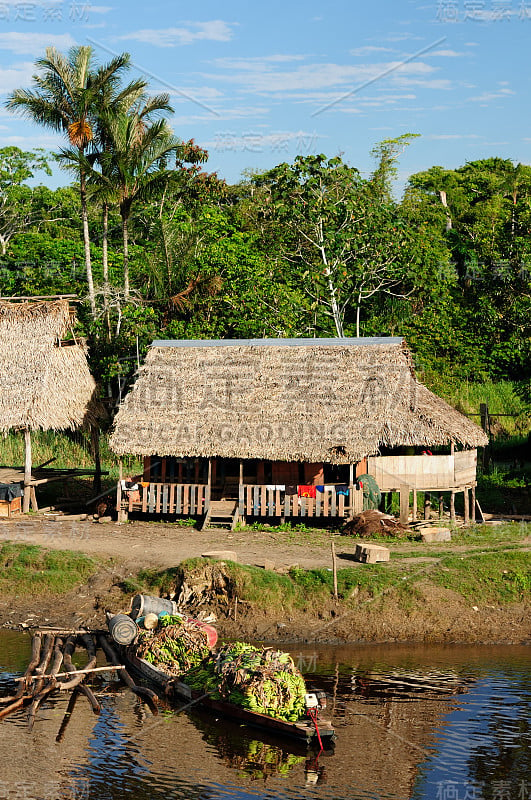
x=136, y=166
x=64, y=98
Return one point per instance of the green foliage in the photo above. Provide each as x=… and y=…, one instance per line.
x=495, y=577
x=30, y=569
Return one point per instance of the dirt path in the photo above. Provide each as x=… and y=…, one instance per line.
x=142, y=544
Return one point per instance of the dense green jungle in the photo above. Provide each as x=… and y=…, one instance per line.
x=156, y=246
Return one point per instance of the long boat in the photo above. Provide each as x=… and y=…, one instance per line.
x=311, y=729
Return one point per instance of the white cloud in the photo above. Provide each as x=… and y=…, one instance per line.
x=368, y=49
x=15, y=76
x=259, y=75
x=215, y=31
x=444, y=136
x=197, y=92
x=254, y=141
x=486, y=97
x=446, y=54
x=34, y=43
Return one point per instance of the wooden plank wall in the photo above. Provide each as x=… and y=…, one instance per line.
x=417, y=472
x=465, y=467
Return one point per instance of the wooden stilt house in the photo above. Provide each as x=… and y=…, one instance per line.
x=233, y=429
x=45, y=381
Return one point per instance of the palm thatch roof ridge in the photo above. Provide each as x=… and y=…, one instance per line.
x=44, y=382
x=334, y=400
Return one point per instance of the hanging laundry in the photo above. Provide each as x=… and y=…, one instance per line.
x=342, y=488
x=320, y=488
x=307, y=491
x=291, y=489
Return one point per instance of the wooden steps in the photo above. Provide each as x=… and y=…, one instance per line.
x=221, y=515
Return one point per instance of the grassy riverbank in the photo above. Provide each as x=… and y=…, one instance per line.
x=28, y=569
x=475, y=588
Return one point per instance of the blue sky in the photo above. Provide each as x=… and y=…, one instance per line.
x=259, y=83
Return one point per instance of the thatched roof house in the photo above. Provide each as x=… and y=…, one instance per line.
x=307, y=400
x=45, y=382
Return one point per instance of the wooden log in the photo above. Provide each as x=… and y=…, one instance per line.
x=141, y=691
x=26, y=678
x=70, y=669
x=50, y=679
x=46, y=654
x=68, y=715
x=69, y=650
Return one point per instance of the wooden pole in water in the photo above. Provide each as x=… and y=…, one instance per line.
x=334, y=570
x=27, y=471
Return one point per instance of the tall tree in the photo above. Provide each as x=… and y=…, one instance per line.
x=17, y=210
x=64, y=97
x=346, y=244
x=135, y=168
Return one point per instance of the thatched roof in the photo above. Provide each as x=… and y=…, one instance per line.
x=333, y=400
x=44, y=383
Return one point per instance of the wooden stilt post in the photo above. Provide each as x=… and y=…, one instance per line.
x=414, y=505
x=122, y=515
x=452, y=507
x=473, y=505
x=441, y=506
x=95, y=442
x=465, y=503
x=241, y=471
x=334, y=570
x=27, y=471
x=404, y=503
x=427, y=506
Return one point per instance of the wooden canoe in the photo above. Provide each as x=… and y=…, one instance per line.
x=304, y=730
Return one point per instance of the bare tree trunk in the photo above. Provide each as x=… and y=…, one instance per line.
x=442, y=196
x=125, y=233
x=27, y=471
x=86, y=242
x=358, y=311
x=105, y=265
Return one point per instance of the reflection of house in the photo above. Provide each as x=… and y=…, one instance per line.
x=45, y=382
x=248, y=423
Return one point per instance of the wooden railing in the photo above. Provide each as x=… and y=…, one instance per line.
x=171, y=498
x=263, y=501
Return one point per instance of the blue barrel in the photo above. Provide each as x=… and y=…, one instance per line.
x=143, y=604
x=123, y=629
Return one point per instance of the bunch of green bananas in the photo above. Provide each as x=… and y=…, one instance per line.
x=175, y=646
x=260, y=679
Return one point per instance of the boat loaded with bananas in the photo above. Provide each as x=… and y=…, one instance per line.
x=258, y=686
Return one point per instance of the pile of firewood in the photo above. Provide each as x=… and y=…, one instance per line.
x=52, y=671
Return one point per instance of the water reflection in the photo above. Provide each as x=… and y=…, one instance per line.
x=426, y=723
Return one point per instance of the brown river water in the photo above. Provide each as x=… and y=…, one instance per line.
x=413, y=723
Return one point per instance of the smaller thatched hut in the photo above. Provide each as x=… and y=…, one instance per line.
x=45, y=381
x=246, y=420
